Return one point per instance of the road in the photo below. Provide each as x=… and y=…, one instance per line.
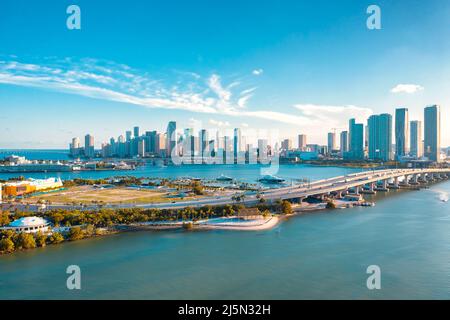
x=315, y=188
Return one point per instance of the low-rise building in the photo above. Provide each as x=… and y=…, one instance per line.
x=19, y=188
x=29, y=225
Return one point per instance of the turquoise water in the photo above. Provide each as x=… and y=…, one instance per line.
x=319, y=255
x=243, y=173
x=36, y=154
x=224, y=220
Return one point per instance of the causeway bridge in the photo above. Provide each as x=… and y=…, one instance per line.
x=356, y=183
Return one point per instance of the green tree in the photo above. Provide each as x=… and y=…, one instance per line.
x=41, y=239
x=55, y=237
x=90, y=230
x=75, y=233
x=6, y=245
x=25, y=241
x=7, y=234
x=188, y=225
x=57, y=219
x=331, y=205
x=197, y=188
x=286, y=207
x=4, y=218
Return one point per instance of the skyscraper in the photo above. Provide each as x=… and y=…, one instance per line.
x=380, y=137
x=75, y=147
x=262, y=150
x=432, y=137
x=401, y=132
x=89, y=146
x=128, y=136
x=416, y=149
x=237, y=142
x=76, y=143
x=286, y=144
x=160, y=144
x=204, y=143
x=351, y=124
x=141, y=148
x=113, y=147
x=344, y=142
x=302, y=141
x=331, y=141
x=227, y=146
x=136, y=132
x=121, y=149
x=356, y=141
x=171, y=138
x=219, y=142
x=150, y=141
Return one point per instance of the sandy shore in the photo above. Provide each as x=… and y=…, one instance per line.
x=263, y=224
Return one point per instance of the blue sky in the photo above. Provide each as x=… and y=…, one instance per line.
x=295, y=66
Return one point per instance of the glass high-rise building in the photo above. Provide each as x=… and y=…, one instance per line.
x=171, y=137
x=344, y=142
x=237, y=142
x=432, y=136
x=401, y=132
x=150, y=141
x=136, y=132
x=331, y=141
x=356, y=141
x=128, y=136
x=416, y=144
x=380, y=137
x=204, y=143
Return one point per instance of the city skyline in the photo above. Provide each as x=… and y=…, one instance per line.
x=375, y=141
x=282, y=71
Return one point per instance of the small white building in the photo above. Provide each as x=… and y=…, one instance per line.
x=29, y=225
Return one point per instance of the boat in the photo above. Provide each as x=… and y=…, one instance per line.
x=224, y=178
x=271, y=179
x=368, y=204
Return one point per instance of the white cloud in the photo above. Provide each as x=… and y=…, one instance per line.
x=218, y=123
x=258, y=72
x=242, y=102
x=407, y=88
x=248, y=91
x=216, y=87
x=333, y=116
x=119, y=83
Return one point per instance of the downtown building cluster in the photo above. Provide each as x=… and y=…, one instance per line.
x=378, y=140
x=382, y=140
x=185, y=146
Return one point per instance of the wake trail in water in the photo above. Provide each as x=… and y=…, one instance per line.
x=442, y=195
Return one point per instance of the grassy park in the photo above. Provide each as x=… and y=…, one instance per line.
x=114, y=195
